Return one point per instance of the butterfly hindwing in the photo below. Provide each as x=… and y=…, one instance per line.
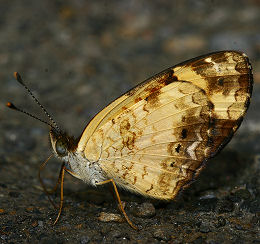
x=156, y=138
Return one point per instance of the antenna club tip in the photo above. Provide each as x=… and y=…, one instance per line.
x=18, y=77
x=10, y=105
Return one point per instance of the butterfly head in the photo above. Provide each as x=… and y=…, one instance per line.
x=62, y=144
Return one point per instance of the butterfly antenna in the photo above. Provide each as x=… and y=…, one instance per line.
x=20, y=80
x=12, y=106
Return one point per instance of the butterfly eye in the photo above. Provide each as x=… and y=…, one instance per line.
x=61, y=148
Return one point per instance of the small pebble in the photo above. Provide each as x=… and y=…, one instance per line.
x=251, y=206
x=220, y=222
x=243, y=194
x=35, y=223
x=255, y=206
x=3, y=237
x=207, y=195
x=204, y=228
x=116, y=234
x=225, y=206
x=110, y=217
x=40, y=223
x=84, y=240
x=239, y=227
x=144, y=210
x=240, y=194
x=207, y=204
x=161, y=235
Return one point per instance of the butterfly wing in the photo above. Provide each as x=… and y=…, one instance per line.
x=156, y=138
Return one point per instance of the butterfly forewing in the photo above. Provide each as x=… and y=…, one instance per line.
x=156, y=138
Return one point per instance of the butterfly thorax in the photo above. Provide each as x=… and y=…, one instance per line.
x=65, y=148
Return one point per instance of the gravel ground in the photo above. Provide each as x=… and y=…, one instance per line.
x=77, y=56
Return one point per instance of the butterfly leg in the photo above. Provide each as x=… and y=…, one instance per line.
x=119, y=201
x=61, y=182
x=54, y=189
x=62, y=172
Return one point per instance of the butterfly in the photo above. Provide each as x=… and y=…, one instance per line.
x=155, y=139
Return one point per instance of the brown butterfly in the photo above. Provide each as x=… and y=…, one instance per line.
x=156, y=138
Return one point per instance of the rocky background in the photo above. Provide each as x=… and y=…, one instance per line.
x=77, y=56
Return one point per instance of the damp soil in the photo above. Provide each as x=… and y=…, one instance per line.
x=77, y=56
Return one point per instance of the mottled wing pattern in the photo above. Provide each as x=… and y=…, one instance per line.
x=157, y=137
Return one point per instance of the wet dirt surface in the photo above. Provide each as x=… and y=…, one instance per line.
x=77, y=56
